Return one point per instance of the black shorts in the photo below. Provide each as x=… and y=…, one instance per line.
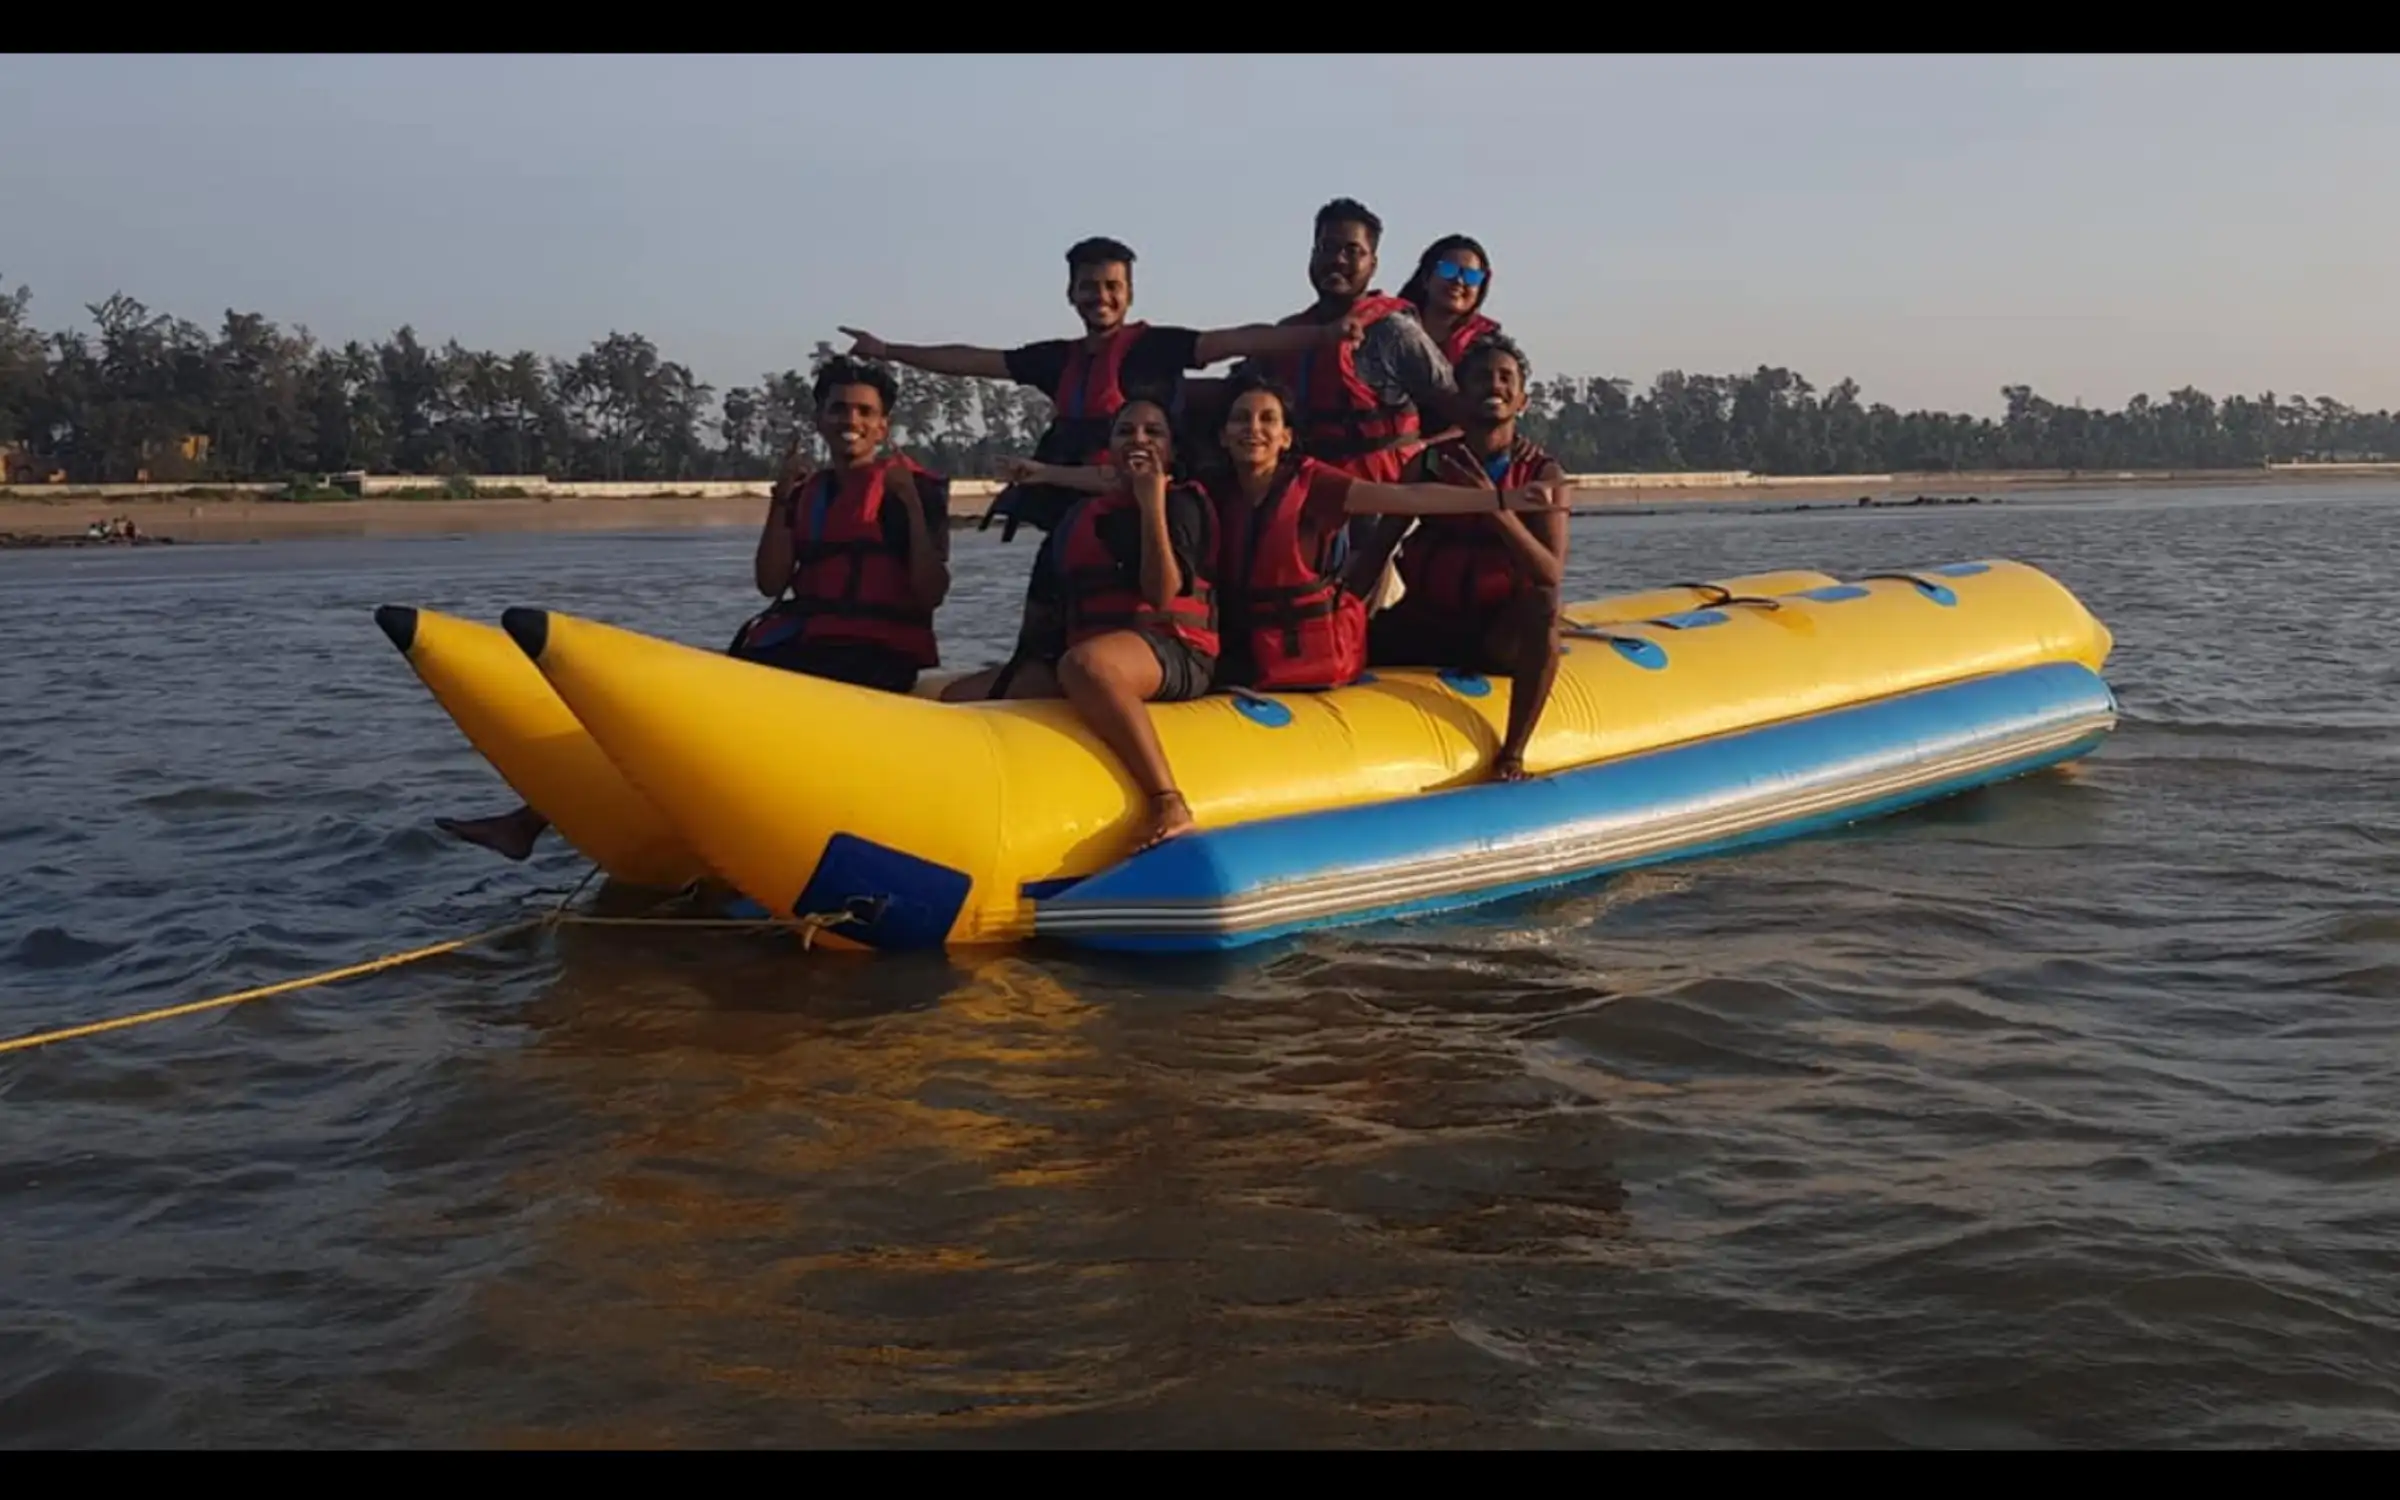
x=852, y=662
x=1410, y=635
x=1184, y=673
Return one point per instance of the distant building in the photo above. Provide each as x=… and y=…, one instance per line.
x=18, y=465
x=185, y=460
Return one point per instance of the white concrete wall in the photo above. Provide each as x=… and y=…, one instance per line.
x=125, y=491
x=969, y=496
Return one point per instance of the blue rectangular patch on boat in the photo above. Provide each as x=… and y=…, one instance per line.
x=903, y=901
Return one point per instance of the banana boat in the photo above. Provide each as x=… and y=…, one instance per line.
x=916, y=824
x=516, y=720
x=1255, y=881
x=510, y=714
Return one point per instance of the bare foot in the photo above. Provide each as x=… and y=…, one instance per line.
x=510, y=835
x=1509, y=768
x=1171, y=815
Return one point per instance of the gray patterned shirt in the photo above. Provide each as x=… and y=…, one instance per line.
x=1398, y=360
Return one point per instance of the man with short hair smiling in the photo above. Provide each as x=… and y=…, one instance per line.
x=1089, y=379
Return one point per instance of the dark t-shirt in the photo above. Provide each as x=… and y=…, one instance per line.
x=1188, y=537
x=1153, y=366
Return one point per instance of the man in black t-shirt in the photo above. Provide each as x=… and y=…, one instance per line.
x=1088, y=379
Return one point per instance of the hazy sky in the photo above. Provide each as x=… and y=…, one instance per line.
x=1933, y=227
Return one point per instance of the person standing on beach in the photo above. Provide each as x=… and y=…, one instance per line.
x=1090, y=378
x=1483, y=589
x=855, y=556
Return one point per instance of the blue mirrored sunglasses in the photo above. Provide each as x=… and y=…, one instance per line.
x=1450, y=270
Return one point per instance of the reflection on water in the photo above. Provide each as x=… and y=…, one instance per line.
x=970, y=1197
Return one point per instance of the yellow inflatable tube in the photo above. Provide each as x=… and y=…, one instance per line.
x=511, y=715
x=516, y=720
x=764, y=771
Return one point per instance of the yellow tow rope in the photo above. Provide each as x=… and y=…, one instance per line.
x=557, y=916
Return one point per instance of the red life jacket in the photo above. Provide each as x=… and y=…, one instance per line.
x=1470, y=328
x=1090, y=394
x=1287, y=606
x=1099, y=595
x=848, y=584
x=1341, y=421
x=1462, y=565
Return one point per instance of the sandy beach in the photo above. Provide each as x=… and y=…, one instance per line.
x=186, y=519
x=186, y=516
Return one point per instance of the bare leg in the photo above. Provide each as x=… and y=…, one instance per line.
x=972, y=688
x=509, y=835
x=1109, y=679
x=1032, y=680
x=1523, y=642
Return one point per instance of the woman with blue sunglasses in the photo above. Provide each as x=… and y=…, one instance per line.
x=1452, y=279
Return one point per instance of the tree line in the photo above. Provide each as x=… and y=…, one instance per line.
x=128, y=397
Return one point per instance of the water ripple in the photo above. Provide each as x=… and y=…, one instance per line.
x=2058, y=1115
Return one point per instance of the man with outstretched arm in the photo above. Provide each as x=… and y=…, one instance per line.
x=1365, y=404
x=1089, y=379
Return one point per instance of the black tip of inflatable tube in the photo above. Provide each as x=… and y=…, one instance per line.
x=399, y=623
x=529, y=628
